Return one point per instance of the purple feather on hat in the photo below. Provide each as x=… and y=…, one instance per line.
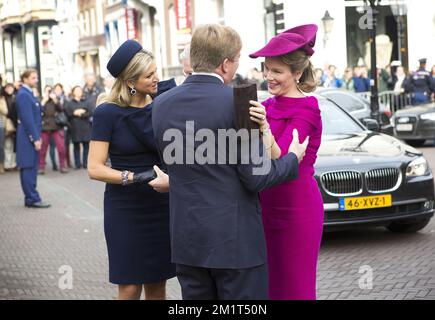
x=300, y=37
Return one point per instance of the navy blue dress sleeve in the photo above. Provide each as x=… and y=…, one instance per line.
x=102, y=124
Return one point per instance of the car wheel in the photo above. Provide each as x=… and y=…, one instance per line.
x=415, y=143
x=408, y=226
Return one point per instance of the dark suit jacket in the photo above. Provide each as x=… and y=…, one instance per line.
x=29, y=127
x=214, y=208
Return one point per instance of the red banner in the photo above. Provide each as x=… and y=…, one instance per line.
x=131, y=23
x=184, y=24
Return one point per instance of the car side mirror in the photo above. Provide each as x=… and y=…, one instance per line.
x=371, y=124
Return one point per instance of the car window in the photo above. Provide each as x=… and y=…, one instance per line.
x=346, y=101
x=336, y=121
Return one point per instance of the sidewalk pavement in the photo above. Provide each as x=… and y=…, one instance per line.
x=37, y=246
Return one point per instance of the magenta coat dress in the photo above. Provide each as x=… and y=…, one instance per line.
x=293, y=211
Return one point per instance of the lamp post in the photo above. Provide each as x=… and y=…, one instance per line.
x=374, y=99
x=327, y=22
x=399, y=10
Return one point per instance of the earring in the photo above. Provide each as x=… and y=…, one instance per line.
x=297, y=81
x=133, y=91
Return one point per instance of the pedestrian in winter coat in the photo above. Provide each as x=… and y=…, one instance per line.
x=79, y=113
x=51, y=130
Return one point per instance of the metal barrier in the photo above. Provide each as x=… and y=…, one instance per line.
x=390, y=100
x=394, y=101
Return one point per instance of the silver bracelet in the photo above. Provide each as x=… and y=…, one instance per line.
x=124, y=177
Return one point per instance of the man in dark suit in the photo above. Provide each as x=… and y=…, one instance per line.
x=29, y=138
x=217, y=237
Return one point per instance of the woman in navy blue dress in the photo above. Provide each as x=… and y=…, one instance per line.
x=136, y=217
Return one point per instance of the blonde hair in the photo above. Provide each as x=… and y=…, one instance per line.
x=211, y=44
x=299, y=61
x=120, y=93
x=102, y=97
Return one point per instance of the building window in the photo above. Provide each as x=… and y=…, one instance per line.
x=87, y=23
x=82, y=24
x=274, y=18
x=93, y=21
x=173, y=36
x=30, y=48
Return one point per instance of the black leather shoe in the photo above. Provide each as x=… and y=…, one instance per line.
x=39, y=205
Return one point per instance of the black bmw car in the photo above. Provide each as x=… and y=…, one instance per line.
x=359, y=107
x=369, y=178
x=415, y=125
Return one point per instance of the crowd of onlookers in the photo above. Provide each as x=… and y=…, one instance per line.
x=391, y=78
x=67, y=114
x=357, y=79
x=66, y=120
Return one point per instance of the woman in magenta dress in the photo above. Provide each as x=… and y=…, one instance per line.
x=292, y=212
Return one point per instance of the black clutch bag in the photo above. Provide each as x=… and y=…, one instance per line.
x=144, y=177
x=61, y=119
x=242, y=95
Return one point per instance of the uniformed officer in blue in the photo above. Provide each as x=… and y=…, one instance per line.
x=28, y=138
x=420, y=84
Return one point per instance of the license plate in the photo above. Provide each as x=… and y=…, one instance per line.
x=361, y=203
x=404, y=127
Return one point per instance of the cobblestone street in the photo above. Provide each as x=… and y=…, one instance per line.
x=35, y=244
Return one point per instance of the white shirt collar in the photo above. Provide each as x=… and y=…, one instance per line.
x=27, y=87
x=209, y=74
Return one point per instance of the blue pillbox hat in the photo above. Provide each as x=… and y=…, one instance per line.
x=122, y=57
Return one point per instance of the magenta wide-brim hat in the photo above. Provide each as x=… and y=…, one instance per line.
x=300, y=37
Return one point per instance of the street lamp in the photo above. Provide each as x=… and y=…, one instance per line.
x=328, y=22
x=374, y=99
x=399, y=10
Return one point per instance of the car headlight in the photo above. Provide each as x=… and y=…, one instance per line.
x=418, y=167
x=428, y=116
